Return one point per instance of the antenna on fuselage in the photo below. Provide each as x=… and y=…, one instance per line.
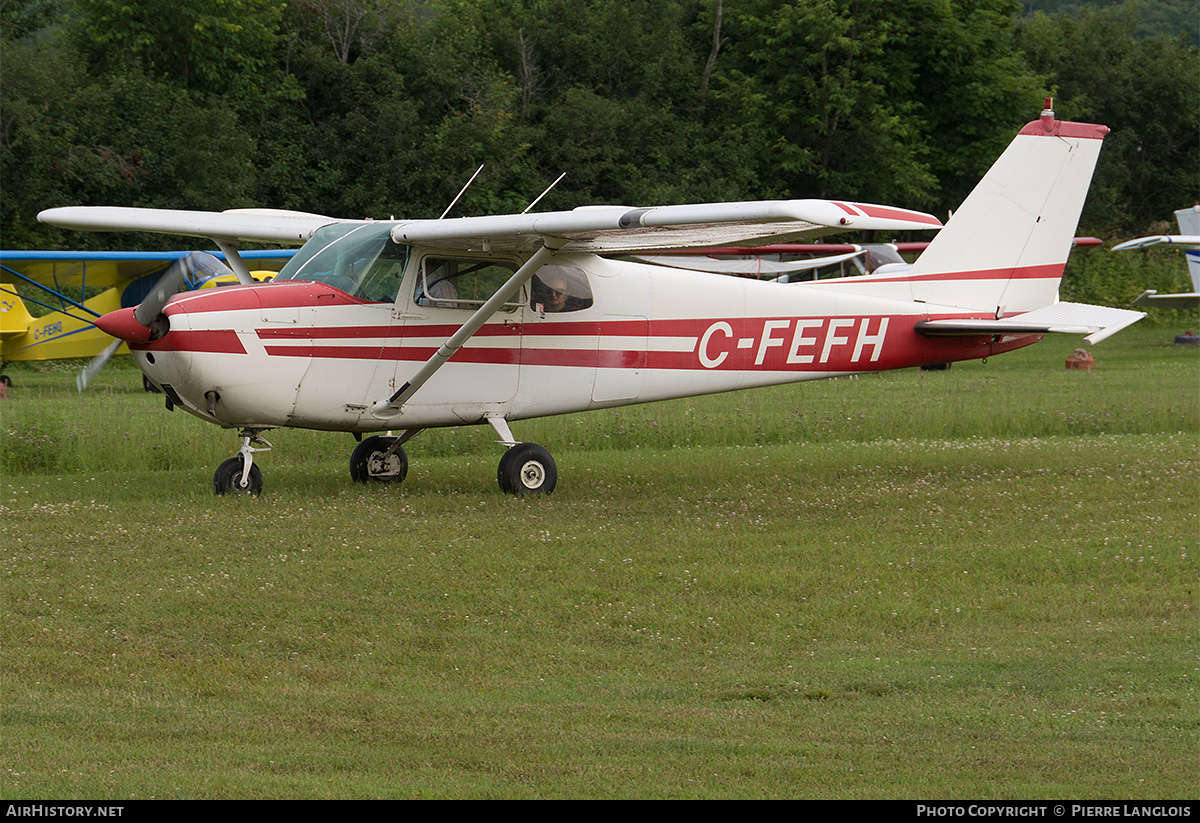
x=462, y=191
x=543, y=194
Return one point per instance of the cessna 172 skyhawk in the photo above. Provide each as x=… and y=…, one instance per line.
x=401, y=325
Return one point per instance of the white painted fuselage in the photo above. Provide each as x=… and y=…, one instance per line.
x=306, y=354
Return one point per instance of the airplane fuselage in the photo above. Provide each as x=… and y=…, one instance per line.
x=308, y=354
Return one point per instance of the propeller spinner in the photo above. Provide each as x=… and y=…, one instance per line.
x=146, y=321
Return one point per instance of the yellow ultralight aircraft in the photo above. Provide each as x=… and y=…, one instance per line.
x=78, y=287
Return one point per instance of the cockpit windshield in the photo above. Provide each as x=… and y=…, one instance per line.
x=358, y=259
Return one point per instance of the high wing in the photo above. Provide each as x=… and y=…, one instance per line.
x=620, y=229
x=60, y=271
x=263, y=225
x=596, y=229
x=1186, y=240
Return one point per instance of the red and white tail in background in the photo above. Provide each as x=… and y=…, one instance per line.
x=1003, y=251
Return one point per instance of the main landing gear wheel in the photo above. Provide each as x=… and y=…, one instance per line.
x=228, y=479
x=527, y=468
x=378, y=460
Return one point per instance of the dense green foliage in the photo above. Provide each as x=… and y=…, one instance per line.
x=378, y=108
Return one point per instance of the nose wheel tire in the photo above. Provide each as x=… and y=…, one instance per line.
x=228, y=478
x=374, y=461
x=527, y=468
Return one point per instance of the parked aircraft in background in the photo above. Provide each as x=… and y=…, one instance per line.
x=801, y=262
x=785, y=262
x=79, y=287
x=1188, y=239
x=401, y=325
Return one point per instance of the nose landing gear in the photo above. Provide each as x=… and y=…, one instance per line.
x=238, y=474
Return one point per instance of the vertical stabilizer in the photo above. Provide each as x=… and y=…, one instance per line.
x=1004, y=248
x=1189, y=226
x=14, y=317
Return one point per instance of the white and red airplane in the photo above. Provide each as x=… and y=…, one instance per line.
x=401, y=325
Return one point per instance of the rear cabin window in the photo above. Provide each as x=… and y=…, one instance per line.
x=463, y=284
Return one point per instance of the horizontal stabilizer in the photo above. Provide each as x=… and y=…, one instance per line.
x=1097, y=322
x=1153, y=299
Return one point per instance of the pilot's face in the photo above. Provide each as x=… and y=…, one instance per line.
x=556, y=295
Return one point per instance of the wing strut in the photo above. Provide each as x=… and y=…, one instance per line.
x=235, y=260
x=396, y=402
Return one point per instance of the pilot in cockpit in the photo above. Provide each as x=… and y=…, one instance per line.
x=560, y=289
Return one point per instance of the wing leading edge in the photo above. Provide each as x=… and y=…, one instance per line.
x=596, y=229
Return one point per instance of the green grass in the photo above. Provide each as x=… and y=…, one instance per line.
x=976, y=584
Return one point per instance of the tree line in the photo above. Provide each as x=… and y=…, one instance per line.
x=380, y=108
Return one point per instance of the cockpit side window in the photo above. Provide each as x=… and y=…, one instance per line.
x=560, y=289
x=463, y=283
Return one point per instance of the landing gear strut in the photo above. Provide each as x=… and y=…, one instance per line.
x=238, y=474
x=526, y=468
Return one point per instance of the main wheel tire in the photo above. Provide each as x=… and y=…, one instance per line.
x=228, y=478
x=527, y=468
x=370, y=461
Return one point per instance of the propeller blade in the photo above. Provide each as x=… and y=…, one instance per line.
x=93, y=368
x=172, y=281
x=146, y=321
x=184, y=273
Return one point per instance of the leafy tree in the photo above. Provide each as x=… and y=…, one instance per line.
x=382, y=107
x=220, y=47
x=1170, y=17
x=973, y=85
x=1145, y=90
x=118, y=138
x=815, y=78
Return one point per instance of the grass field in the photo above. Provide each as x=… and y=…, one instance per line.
x=978, y=584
